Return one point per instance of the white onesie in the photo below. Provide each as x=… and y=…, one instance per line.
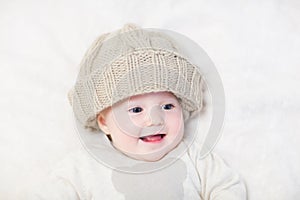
x=82, y=177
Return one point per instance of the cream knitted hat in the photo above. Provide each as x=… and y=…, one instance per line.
x=129, y=62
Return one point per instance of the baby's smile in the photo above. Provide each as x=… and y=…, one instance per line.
x=156, y=138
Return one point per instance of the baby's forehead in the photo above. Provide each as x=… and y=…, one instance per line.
x=164, y=95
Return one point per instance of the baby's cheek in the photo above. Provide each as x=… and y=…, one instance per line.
x=175, y=119
x=124, y=141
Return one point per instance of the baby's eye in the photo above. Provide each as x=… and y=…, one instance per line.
x=136, y=110
x=168, y=106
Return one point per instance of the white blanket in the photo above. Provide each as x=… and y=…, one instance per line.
x=254, y=44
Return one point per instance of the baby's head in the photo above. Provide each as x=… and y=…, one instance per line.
x=136, y=87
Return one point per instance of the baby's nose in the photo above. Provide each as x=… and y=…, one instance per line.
x=155, y=116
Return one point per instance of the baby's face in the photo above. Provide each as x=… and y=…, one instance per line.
x=144, y=127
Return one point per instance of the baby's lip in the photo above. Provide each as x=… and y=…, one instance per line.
x=153, y=138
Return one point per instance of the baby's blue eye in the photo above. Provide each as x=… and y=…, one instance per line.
x=168, y=106
x=136, y=110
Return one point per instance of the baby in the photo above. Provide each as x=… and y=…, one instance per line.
x=135, y=96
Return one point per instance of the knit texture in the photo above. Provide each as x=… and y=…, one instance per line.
x=129, y=62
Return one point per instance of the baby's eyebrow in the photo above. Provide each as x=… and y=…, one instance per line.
x=133, y=103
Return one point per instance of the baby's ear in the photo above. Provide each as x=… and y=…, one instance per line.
x=101, y=120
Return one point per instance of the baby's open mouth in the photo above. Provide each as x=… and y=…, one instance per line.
x=153, y=138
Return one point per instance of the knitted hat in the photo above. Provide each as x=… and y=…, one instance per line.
x=129, y=62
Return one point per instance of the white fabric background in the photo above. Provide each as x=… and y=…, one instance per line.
x=254, y=44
